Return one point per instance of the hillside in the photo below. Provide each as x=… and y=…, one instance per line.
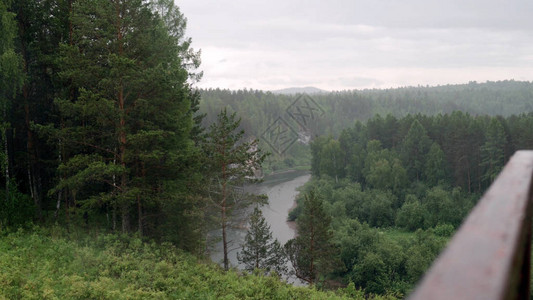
x=51, y=264
x=299, y=90
x=330, y=113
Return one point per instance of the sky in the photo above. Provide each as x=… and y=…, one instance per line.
x=359, y=44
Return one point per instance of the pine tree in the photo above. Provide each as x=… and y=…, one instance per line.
x=128, y=127
x=260, y=250
x=313, y=254
x=435, y=168
x=11, y=80
x=231, y=162
x=492, y=151
x=415, y=146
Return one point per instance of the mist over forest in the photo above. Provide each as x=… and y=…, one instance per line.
x=134, y=166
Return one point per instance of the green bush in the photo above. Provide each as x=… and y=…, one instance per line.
x=444, y=230
x=49, y=264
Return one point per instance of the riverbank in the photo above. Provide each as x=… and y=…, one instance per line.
x=283, y=175
x=281, y=190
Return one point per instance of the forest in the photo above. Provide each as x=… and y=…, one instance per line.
x=259, y=109
x=115, y=168
x=395, y=190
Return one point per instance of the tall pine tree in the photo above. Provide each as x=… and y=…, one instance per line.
x=435, y=167
x=312, y=253
x=231, y=163
x=415, y=146
x=492, y=151
x=128, y=128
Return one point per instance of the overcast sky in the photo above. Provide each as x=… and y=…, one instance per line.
x=355, y=44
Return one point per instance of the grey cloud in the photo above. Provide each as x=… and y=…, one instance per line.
x=280, y=43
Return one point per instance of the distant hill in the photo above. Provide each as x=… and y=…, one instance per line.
x=300, y=90
x=261, y=112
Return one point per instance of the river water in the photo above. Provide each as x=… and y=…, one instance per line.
x=281, y=190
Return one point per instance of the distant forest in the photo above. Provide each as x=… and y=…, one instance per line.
x=396, y=189
x=259, y=109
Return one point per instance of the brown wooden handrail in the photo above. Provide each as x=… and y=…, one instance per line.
x=489, y=256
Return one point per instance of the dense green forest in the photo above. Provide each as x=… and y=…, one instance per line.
x=396, y=189
x=98, y=123
x=259, y=109
x=114, y=167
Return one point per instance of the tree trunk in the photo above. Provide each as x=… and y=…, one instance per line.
x=32, y=180
x=114, y=201
x=224, y=225
x=67, y=211
x=35, y=194
x=114, y=216
x=125, y=218
x=122, y=130
x=58, y=204
x=224, y=239
x=6, y=162
x=140, y=215
x=311, y=251
x=60, y=158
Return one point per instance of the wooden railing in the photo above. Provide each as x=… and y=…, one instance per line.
x=489, y=256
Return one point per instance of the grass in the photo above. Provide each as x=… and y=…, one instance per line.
x=51, y=264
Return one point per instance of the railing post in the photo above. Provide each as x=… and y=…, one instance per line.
x=489, y=256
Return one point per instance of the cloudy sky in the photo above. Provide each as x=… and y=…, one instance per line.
x=355, y=44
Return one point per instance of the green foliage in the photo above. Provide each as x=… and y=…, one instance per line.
x=97, y=109
x=259, y=109
x=377, y=208
x=126, y=118
x=260, y=250
x=444, y=230
x=448, y=150
x=11, y=75
x=435, y=168
x=386, y=174
x=17, y=209
x=383, y=169
x=230, y=163
x=312, y=253
x=11, y=80
x=447, y=156
x=412, y=215
x=426, y=201
x=371, y=273
x=381, y=261
x=414, y=149
x=493, y=151
x=48, y=264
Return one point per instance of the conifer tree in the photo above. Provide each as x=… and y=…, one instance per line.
x=231, y=162
x=313, y=254
x=260, y=250
x=435, y=168
x=414, y=149
x=128, y=128
x=492, y=151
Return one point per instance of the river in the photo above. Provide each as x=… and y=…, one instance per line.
x=281, y=190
